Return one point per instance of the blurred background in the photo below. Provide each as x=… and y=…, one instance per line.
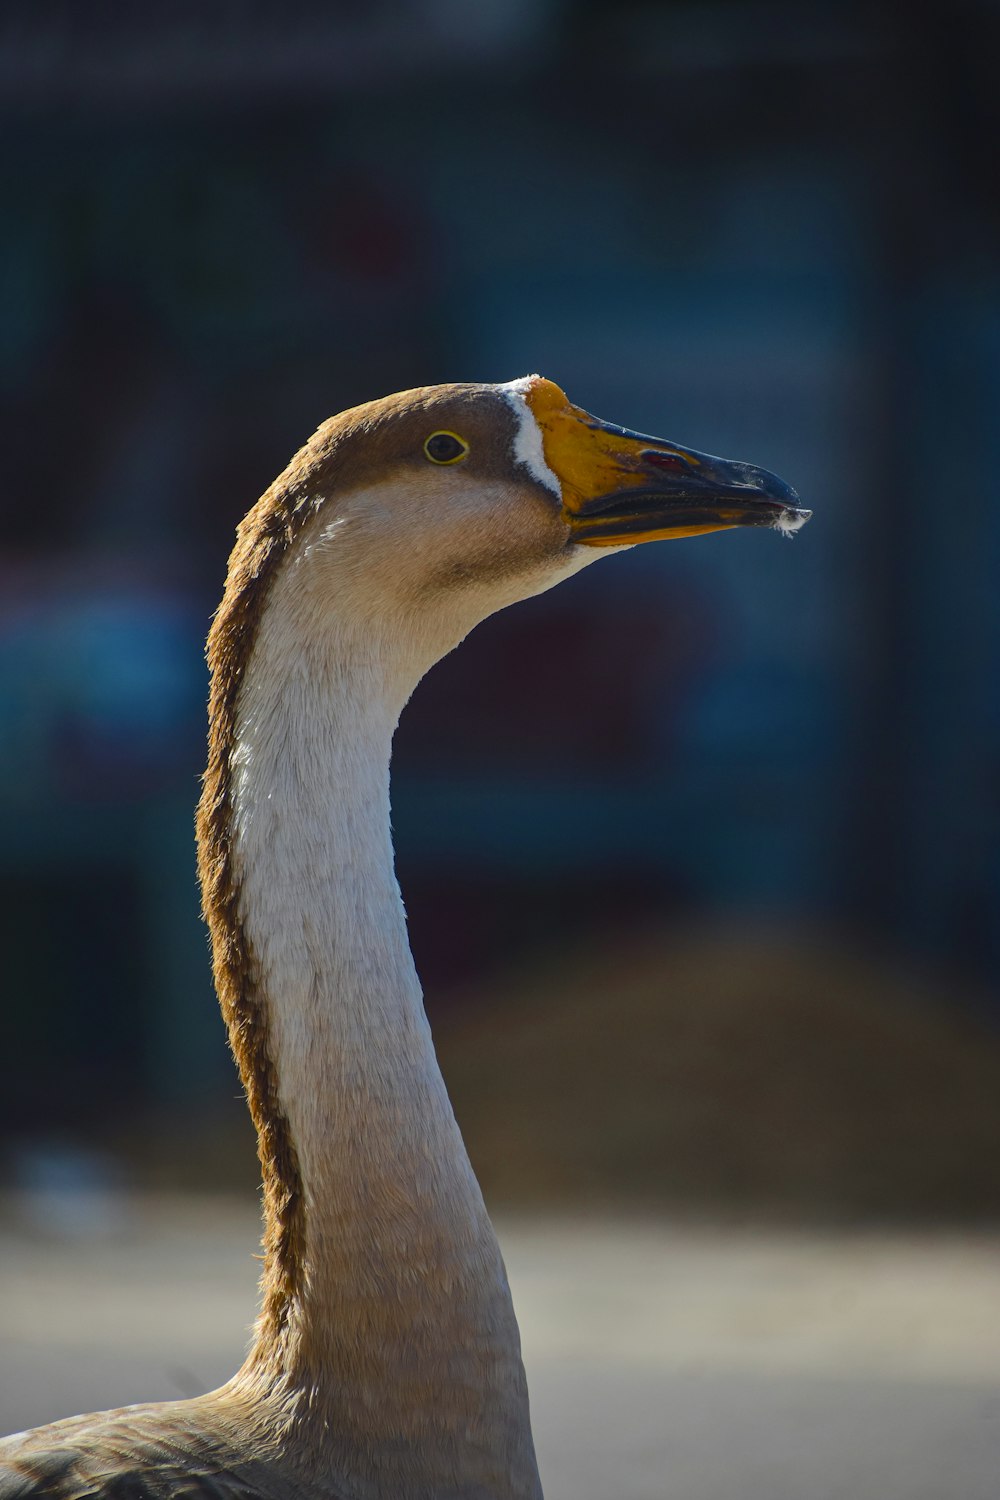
x=701, y=851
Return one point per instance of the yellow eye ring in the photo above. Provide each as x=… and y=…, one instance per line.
x=446, y=448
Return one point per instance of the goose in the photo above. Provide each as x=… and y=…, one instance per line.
x=385, y=1362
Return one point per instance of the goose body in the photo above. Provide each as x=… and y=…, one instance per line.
x=385, y=1362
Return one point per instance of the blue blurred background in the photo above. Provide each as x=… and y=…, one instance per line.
x=766, y=230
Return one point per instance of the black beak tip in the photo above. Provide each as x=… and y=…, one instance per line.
x=761, y=485
x=768, y=486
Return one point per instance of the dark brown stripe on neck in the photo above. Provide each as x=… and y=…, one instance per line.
x=263, y=540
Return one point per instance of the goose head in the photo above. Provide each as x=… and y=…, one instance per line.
x=429, y=510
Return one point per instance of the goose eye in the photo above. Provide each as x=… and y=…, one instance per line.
x=445, y=448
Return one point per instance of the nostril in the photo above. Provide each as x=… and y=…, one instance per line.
x=670, y=461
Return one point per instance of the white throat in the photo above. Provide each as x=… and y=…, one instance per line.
x=404, y=1331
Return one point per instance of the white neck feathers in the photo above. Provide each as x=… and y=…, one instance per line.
x=403, y=1328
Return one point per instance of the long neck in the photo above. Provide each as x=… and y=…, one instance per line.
x=399, y=1333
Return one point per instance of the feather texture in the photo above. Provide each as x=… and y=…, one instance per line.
x=177, y=1450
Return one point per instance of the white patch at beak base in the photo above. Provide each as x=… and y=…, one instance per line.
x=529, y=449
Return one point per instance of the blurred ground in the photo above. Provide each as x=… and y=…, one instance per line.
x=664, y=1360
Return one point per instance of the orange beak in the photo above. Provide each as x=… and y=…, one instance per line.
x=620, y=487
